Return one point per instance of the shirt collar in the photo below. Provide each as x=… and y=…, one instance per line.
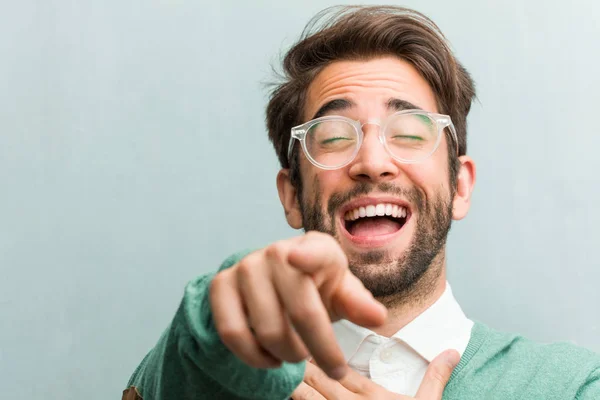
x=440, y=327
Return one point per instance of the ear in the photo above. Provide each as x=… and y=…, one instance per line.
x=465, y=183
x=289, y=199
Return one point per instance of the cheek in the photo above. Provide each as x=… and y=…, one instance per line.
x=327, y=183
x=318, y=183
x=330, y=179
x=429, y=176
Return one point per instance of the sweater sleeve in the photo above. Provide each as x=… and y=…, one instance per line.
x=190, y=362
x=590, y=390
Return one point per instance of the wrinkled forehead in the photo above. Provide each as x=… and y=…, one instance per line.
x=368, y=86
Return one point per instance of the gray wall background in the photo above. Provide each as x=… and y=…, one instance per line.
x=133, y=157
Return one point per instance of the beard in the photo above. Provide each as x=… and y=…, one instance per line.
x=391, y=279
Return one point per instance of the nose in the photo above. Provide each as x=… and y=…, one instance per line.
x=373, y=163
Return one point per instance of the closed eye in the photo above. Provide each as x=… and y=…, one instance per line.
x=409, y=137
x=334, y=139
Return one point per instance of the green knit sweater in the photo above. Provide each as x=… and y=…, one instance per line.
x=190, y=362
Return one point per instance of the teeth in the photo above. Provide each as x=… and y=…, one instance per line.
x=388, y=209
x=382, y=209
x=370, y=211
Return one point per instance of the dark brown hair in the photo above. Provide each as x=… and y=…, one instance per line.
x=364, y=32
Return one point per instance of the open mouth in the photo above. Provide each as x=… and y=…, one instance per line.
x=375, y=220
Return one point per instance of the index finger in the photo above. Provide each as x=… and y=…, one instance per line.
x=305, y=309
x=437, y=375
x=303, y=304
x=318, y=252
x=343, y=294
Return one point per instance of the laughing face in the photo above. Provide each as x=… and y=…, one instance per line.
x=390, y=218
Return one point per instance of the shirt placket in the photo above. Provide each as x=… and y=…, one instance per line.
x=387, y=367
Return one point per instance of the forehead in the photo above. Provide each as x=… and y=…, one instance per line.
x=369, y=84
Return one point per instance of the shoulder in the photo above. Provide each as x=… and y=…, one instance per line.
x=497, y=347
x=517, y=367
x=527, y=351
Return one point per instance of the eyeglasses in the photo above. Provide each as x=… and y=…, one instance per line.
x=409, y=136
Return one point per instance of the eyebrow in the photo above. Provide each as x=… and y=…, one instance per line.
x=344, y=104
x=399, y=105
x=334, y=105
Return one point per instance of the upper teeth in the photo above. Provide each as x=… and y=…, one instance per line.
x=394, y=210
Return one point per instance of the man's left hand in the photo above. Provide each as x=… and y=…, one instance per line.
x=318, y=386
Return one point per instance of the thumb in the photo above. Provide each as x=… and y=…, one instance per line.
x=437, y=375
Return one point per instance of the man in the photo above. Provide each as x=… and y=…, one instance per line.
x=370, y=129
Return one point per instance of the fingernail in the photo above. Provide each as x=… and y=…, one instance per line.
x=338, y=372
x=452, y=358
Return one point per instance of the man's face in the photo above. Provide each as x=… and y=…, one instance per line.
x=388, y=253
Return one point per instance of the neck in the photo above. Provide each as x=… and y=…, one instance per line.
x=409, y=305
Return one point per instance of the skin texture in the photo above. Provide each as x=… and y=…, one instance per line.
x=277, y=303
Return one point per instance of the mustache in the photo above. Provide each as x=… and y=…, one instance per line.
x=413, y=195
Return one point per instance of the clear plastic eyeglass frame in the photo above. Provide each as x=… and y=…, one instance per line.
x=442, y=121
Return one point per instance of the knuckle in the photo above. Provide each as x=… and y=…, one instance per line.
x=304, y=313
x=253, y=358
x=268, y=336
x=230, y=335
x=244, y=268
x=316, y=379
x=438, y=375
x=276, y=251
x=296, y=355
x=362, y=386
x=258, y=362
x=216, y=284
x=248, y=263
x=311, y=395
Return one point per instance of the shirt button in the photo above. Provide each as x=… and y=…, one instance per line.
x=387, y=356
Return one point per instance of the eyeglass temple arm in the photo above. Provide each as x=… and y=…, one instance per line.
x=290, y=147
x=454, y=136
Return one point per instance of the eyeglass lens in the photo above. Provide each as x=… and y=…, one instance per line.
x=409, y=137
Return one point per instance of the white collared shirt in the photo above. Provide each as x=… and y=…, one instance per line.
x=399, y=363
